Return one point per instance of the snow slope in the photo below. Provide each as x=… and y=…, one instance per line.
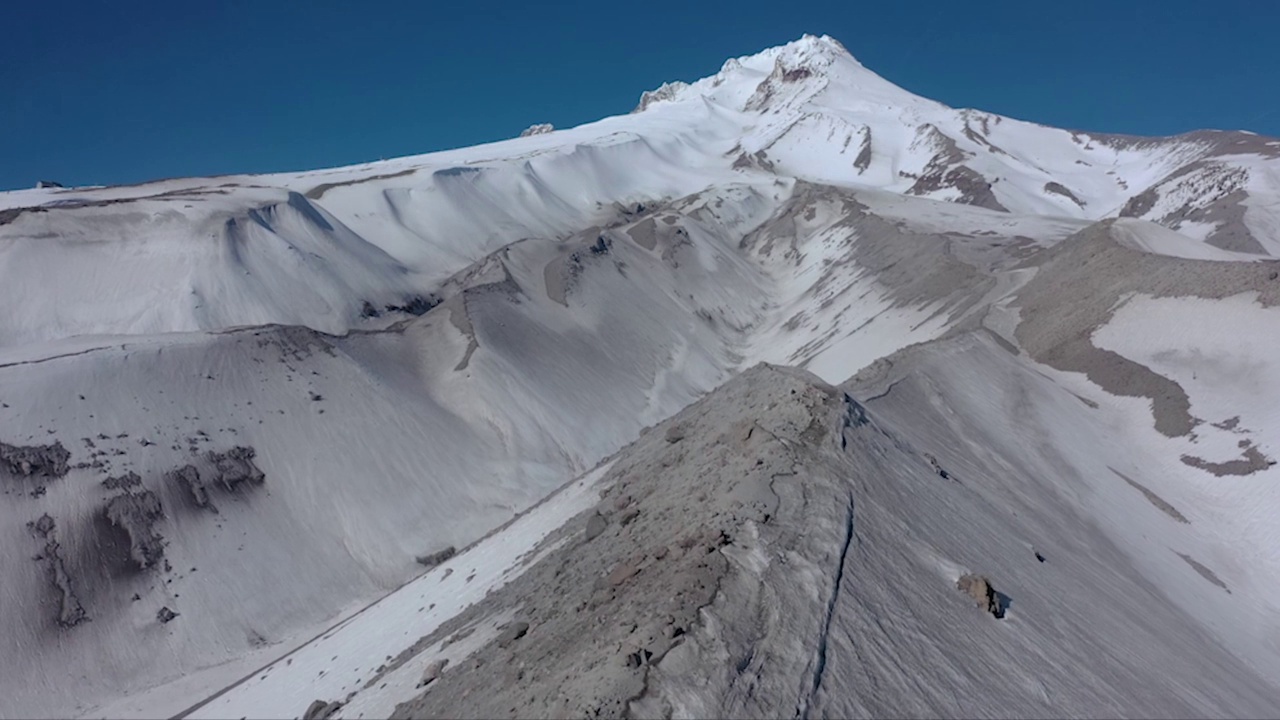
x=365, y=365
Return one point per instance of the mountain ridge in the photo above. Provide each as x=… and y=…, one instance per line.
x=274, y=393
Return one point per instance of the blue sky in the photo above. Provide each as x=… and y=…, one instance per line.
x=118, y=92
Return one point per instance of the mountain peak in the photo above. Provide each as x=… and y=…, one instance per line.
x=801, y=68
x=815, y=48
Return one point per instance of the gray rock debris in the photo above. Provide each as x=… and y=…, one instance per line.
x=1078, y=287
x=512, y=633
x=437, y=557
x=127, y=481
x=320, y=710
x=979, y=588
x=188, y=478
x=433, y=671
x=606, y=616
x=136, y=513
x=782, y=560
x=596, y=524
x=70, y=610
x=236, y=466
x=42, y=460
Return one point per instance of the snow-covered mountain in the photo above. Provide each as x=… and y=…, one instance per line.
x=234, y=411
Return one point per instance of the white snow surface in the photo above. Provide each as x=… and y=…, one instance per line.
x=567, y=289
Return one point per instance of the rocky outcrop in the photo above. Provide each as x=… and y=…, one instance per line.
x=188, y=478
x=321, y=710
x=235, y=466
x=433, y=671
x=35, y=460
x=70, y=611
x=774, y=550
x=537, y=129
x=980, y=590
x=666, y=91
x=433, y=559
x=136, y=514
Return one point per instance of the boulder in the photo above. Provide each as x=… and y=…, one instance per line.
x=979, y=588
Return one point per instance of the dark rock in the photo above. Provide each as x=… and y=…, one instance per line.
x=980, y=589
x=127, y=481
x=433, y=671
x=43, y=526
x=70, y=611
x=45, y=460
x=416, y=305
x=319, y=710
x=796, y=74
x=236, y=466
x=43, y=184
x=514, y=632
x=136, y=513
x=596, y=524
x=189, y=477
x=165, y=615
x=369, y=311
x=437, y=557
x=937, y=467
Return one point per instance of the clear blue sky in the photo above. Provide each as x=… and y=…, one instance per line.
x=119, y=92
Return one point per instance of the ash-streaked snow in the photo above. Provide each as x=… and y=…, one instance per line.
x=319, y=376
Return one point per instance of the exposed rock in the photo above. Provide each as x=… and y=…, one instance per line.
x=43, y=184
x=596, y=524
x=188, y=477
x=126, y=481
x=666, y=91
x=537, y=129
x=136, y=513
x=514, y=632
x=236, y=466
x=70, y=610
x=980, y=589
x=437, y=557
x=165, y=615
x=433, y=671
x=1252, y=461
x=42, y=460
x=321, y=710
x=416, y=305
x=43, y=526
x=1058, y=188
x=863, y=161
